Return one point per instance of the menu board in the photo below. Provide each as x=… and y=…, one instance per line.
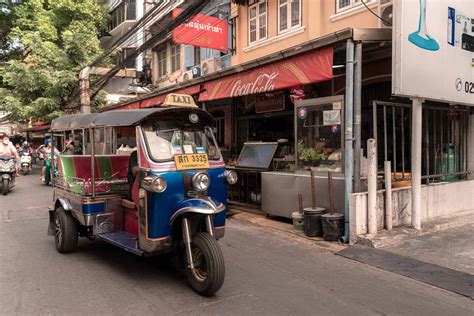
x=256, y=155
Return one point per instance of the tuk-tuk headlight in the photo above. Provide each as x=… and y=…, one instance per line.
x=231, y=176
x=155, y=184
x=201, y=181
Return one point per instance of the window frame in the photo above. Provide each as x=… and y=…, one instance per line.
x=256, y=4
x=352, y=4
x=289, y=6
x=162, y=63
x=175, y=55
x=121, y=14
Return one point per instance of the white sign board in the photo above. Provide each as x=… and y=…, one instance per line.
x=433, y=51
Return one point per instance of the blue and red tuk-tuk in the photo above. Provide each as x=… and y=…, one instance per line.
x=148, y=181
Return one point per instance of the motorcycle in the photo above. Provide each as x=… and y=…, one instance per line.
x=7, y=172
x=25, y=163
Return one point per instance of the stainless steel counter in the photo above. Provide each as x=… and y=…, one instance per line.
x=280, y=191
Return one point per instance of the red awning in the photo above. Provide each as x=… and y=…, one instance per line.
x=39, y=128
x=311, y=67
x=155, y=100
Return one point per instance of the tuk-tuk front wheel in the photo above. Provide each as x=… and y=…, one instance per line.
x=65, y=231
x=207, y=276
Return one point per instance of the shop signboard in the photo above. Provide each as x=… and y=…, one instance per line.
x=270, y=102
x=312, y=67
x=203, y=31
x=433, y=51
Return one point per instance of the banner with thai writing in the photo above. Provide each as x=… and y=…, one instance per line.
x=308, y=68
x=203, y=31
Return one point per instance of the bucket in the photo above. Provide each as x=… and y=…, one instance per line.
x=297, y=221
x=333, y=226
x=313, y=226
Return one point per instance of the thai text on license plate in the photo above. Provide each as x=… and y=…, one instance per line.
x=191, y=161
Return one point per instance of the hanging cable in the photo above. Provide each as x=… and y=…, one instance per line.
x=381, y=19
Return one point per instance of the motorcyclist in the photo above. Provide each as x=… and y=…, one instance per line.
x=7, y=149
x=26, y=148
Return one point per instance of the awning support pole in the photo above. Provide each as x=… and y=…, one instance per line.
x=416, y=163
x=357, y=114
x=348, y=134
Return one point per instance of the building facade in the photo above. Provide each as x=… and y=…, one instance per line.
x=333, y=57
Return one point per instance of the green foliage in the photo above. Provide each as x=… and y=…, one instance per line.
x=56, y=39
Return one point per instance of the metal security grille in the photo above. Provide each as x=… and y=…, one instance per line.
x=444, y=151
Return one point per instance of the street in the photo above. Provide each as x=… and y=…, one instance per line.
x=266, y=273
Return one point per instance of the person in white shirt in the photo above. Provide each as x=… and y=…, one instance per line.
x=7, y=149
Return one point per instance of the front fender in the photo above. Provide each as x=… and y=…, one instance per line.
x=200, y=205
x=6, y=176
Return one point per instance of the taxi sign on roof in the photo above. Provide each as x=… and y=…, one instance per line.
x=175, y=99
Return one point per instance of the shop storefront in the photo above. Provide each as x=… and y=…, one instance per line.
x=314, y=109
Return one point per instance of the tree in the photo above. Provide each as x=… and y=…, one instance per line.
x=55, y=40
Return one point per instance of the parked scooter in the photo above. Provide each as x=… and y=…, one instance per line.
x=25, y=163
x=7, y=172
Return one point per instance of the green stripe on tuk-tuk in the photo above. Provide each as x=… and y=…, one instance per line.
x=69, y=174
x=105, y=167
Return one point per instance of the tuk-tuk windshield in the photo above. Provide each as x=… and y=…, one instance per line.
x=166, y=138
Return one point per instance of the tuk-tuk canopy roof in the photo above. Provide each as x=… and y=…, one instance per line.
x=115, y=118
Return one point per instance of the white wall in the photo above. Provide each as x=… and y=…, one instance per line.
x=436, y=200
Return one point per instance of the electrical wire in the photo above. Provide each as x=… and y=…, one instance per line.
x=155, y=40
x=382, y=19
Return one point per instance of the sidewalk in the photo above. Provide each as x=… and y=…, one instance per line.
x=285, y=229
x=403, y=234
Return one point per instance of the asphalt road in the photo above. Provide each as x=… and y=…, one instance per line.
x=267, y=274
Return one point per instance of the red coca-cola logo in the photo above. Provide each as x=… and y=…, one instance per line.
x=263, y=83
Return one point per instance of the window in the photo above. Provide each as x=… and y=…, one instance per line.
x=127, y=10
x=175, y=53
x=342, y=5
x=257, y=21
x=131, y=10
x=289, y=15
x=197, y=55
x=162, y=69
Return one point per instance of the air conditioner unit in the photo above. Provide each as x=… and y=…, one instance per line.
x=385, y=13
x=210, y=65
x=186, y=76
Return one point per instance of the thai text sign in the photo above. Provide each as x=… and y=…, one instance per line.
x=272, y=103
x=308, y=68
x=203, y=31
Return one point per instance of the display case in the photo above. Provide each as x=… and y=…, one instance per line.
x=319, y=134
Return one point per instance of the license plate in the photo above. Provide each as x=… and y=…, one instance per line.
x=191, y=161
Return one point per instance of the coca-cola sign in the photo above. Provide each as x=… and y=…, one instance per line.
x=263, y=83
x=308, y=68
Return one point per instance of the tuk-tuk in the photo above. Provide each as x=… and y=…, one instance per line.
x=149, y=181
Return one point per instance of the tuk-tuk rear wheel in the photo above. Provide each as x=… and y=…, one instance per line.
x=65, y=231
x=207, y=276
